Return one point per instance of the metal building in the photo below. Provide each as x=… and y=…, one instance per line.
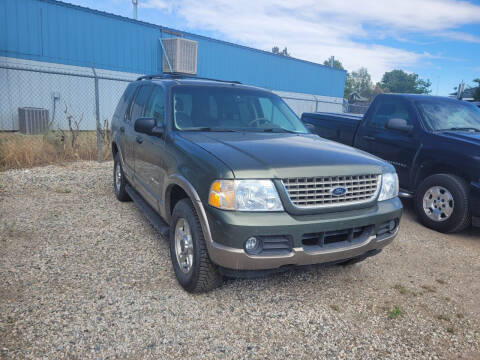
x=40, y=38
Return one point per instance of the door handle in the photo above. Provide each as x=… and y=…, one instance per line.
x=139, y=139
x=122, y=129
x=368, y=137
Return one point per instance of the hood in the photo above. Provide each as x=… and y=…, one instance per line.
x=470, y=137
x=274, y=155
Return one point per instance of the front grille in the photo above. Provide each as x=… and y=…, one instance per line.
x=316, y=192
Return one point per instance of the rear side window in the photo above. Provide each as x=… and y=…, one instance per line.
x=125, y=100
x=389, y=109
x=156, y=106
x=140, y=101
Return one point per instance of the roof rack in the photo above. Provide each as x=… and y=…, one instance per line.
x=182, y=76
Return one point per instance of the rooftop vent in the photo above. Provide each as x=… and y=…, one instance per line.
x=182, y=55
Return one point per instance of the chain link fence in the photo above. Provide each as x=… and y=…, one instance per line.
x=48, y=115
x=54, y=113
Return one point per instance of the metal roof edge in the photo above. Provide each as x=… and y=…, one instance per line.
x=160, y=27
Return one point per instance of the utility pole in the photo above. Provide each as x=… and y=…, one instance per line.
x=135, y=4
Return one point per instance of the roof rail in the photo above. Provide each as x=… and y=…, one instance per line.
x=182, y=76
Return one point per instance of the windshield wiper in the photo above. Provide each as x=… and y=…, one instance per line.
x=280, y=130
x=461, y=129
x=207, y=128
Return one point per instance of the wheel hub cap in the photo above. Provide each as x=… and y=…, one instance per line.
x=183, y=245
x=438, y=203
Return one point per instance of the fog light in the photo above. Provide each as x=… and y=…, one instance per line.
x=392, y=225
x=251, y=245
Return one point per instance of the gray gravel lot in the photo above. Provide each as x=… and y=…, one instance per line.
x=85, y=276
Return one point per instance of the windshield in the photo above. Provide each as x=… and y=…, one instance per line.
x=439, y=114
x=209, y=108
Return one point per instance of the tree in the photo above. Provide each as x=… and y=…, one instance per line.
x=284, y=52
x=360, y=81
x=398, y=81
x=476, y=94
x=336, y=64
x=348, y=86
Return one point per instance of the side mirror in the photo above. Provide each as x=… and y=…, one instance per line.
x=399, y=125
x=148, y=126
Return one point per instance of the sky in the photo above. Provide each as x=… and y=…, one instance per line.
x=437, y=39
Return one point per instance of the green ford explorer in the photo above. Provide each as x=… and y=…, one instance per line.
x=239, y=186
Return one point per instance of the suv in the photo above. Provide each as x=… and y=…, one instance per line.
x=231, y=175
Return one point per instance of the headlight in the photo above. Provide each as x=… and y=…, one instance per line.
x=245, y=195
x=389, y=188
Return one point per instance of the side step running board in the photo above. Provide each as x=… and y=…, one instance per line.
x=157, y=222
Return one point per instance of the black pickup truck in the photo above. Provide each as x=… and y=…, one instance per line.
x=434, y=144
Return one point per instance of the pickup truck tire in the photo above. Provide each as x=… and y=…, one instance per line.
x=119, y=181
x=198, y=274
x=444, y=184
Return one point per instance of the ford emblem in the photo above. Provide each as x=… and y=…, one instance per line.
x=338, y=191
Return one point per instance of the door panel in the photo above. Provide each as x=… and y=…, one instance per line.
x=396, y=147
x=149, y=153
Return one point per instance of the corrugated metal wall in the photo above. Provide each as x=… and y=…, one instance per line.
x=51, y=31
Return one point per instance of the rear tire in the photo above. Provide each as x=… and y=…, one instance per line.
x=442, y=203
x=119, y=181
x=192, y=265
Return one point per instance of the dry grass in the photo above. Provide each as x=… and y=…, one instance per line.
x=22, y=151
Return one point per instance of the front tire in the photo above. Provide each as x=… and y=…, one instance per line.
x=442, y=203
x=191, y=263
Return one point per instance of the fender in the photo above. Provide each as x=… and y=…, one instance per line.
x=126, y=171
x=414, y=170
x=176, y=179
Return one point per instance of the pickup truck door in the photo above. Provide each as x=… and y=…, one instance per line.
x=150, y=152
x=397, y=147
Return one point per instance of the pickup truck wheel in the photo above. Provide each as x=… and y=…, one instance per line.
x=119, y=181
x=442, y=204
x=188, y=251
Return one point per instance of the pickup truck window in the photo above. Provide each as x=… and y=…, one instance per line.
x=439, y=114
x=225, y=108
x=156, y=105
x=391, y=109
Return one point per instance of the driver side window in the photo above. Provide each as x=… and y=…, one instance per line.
x=156, y=106
x=389, y=109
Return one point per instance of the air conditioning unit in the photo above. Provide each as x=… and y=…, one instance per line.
x=182, y=55
x=32, y=120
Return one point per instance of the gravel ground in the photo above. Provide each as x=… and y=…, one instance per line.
x=85, y=276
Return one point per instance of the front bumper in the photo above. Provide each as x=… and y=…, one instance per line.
x=229, y=230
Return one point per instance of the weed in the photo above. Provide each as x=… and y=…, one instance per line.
x=335, y=307
x=429, y=288
x=54, y=147
x=460, y=315
x=401, y=289
x=441, y=281
x=451, y=330
x=443, y=317
x=395, y=313
x=63, y=191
